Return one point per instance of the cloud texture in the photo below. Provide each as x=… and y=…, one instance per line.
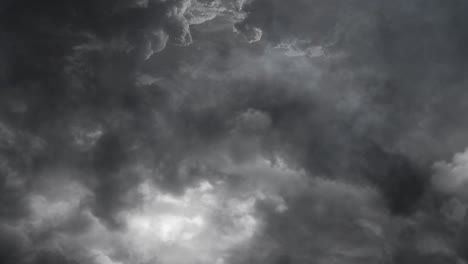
x=233, y=131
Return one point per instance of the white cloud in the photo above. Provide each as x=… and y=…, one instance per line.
x=452, y=177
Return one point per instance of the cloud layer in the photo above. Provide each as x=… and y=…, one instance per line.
x=229, y=132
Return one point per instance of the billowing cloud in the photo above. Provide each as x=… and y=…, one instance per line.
x=229, y=132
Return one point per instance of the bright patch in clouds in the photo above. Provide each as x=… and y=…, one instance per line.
x=204, y=224
x=201, y=225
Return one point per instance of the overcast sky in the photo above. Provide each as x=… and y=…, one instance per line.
x=233, y=132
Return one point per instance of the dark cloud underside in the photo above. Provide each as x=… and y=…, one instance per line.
x=302, y=131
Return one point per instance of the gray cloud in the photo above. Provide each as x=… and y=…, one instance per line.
x=259, y=131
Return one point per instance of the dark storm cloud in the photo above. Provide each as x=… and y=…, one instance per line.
x=362, y=96
x=407, y=57
x=406, y=62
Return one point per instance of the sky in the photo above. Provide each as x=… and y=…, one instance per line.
x=233, y=132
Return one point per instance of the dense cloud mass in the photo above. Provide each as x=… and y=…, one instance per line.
x=233, y=131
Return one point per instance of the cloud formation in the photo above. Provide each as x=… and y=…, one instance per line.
x=229, y=132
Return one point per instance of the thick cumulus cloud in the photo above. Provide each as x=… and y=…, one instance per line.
x=230, y=131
